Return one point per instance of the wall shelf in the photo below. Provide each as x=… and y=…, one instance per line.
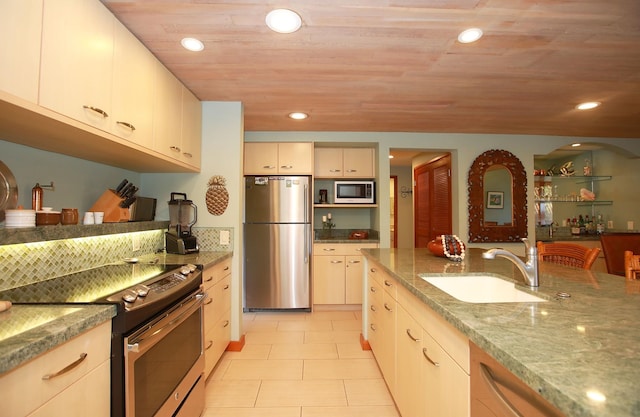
x=344, y=205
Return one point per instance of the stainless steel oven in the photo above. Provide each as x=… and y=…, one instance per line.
x=156, y=341
x=164, y=363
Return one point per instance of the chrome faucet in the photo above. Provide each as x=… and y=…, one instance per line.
x=529, y=268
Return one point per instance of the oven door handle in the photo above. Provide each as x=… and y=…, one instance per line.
x=151, y=335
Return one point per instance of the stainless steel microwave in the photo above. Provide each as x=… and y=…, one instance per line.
x=354, y=192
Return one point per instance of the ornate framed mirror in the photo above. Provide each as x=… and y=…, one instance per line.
x=497, y=188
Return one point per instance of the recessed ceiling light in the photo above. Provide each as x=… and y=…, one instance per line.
x=390, y=156
x=298, y=115
x=192, y=44
x=588, y=105
x=283, y=21
x=575, y=145
x=470, y=35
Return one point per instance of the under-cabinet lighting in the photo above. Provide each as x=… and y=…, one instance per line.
x=192, y=44
x=588, y=105
x=470, y=35
x=576, y=145
x=596, y=396
x=283, y=21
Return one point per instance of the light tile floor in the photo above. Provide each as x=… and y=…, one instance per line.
x=299, y=365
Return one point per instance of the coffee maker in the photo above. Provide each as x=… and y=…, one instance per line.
x=183, y=214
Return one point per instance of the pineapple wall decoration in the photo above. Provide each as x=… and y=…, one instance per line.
x=217, y=195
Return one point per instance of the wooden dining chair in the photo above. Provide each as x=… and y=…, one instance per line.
x=631, y=265
x=568, y=254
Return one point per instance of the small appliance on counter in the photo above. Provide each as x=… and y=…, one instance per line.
x=143, y=210
x=183, y=214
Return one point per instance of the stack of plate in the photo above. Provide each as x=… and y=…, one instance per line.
x=20, y=218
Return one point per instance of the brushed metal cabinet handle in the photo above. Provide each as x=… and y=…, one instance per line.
x=415, y=339
x=67, y=368
x=97, y=110
x=426, y=355
x=127, y=125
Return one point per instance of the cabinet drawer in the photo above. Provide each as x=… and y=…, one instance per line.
x=342, y=249
x=215, y=273
x=96, y=343
x=451, y=339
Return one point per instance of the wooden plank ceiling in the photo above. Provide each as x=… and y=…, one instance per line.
x=395, y=65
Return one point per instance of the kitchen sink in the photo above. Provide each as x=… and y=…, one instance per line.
x=481, y=289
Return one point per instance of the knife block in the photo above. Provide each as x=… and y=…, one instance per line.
x=109, y=203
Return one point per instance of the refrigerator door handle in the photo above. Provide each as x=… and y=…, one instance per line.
x=307, y=224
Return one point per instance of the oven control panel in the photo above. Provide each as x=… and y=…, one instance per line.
x=154, y=289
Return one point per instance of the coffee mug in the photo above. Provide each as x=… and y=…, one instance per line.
x=89, y=218
x=98, y=217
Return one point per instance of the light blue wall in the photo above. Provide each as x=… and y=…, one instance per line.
x=77, y=183
x=464, y=149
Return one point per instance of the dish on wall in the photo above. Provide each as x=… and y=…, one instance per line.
x=8, y=190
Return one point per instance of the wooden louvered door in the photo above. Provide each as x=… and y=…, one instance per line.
x=432, y=200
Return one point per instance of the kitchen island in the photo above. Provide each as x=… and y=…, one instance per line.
x=581, y=354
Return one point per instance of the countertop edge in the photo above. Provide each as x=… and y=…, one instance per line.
x=22, y=347
x=550, y=392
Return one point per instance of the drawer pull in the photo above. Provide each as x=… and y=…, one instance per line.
x=66, y=368
x=373, y=270
x=373, y=289
x=209, y=301
x=373, y=308
x=268, y=167
x=226, y=287
x=209, y=345
x=328, y=249
x=336, y=262
x=208, y=279
x=286, y=166
x=335, y=170
x=352, y=170
x=354, y=262
x=386, y=306
x=187, y=154
x=373, y=327
x=415, y=339
x=226, y=268
x=226, y=323
x=387, y=283
x=174, y=148
x=127, y=125
x=426, y=355
x=97, y=110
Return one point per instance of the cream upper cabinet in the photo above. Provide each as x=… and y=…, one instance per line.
x=134, y=71
x=21, y=31
x=78, y=382
x=77, y=60
x=344, y=163
x=167, y=111
x=265, y=158
x=191, y=129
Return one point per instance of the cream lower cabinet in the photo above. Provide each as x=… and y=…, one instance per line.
x=424, y=360
x=382, y=313
x=432, y=368
x=83, y=390
x=285, y=158
x=338, y=273
x=217, y=312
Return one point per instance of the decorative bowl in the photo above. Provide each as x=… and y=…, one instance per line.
x=47, y=218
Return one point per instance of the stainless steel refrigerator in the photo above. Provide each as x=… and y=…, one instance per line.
x=277, y=243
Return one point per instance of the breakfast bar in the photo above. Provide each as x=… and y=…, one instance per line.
x=579, y=352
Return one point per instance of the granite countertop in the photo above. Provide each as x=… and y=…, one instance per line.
x=342, y=236
x=568, y=350
x=27, y=331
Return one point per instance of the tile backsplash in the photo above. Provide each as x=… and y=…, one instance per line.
x=25, y=263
